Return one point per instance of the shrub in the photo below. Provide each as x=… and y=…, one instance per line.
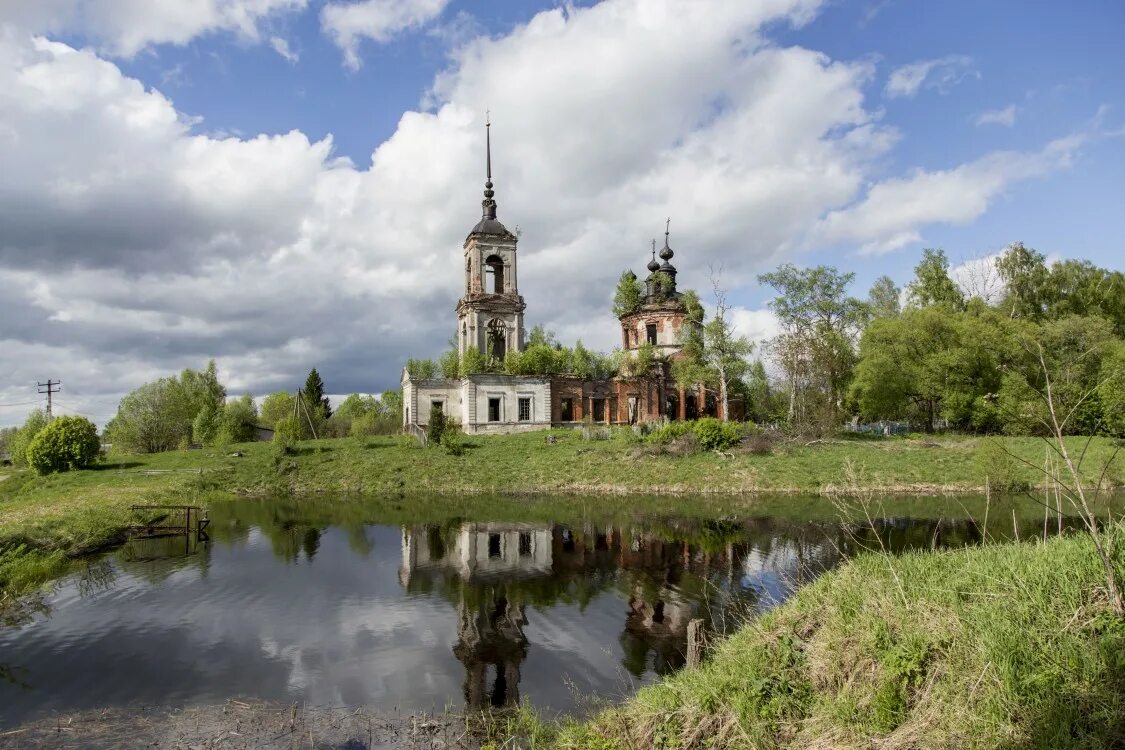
x=669, y=432
x=286, y=434
x=716, y=435
x=453, y=440
x=435, y=427
x=65, y=443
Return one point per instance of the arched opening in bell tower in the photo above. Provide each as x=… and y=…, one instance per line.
x=497, y=339
x=494, y=275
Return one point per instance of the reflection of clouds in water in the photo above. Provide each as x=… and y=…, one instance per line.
x=409, y=618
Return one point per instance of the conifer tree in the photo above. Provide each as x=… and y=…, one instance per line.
x=314, y=394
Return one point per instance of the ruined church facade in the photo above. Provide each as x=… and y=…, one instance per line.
x=490, y=317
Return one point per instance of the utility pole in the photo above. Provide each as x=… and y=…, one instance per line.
x=52, y=387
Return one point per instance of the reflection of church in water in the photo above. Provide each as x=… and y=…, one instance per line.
x=493, y=571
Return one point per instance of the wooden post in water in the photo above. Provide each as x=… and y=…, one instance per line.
x=696, y=643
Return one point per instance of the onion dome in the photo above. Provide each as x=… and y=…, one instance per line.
x=666, y=252
x=653, y=265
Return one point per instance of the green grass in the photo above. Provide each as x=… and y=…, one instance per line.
x=75, y=512
x=1002, y=646
x=526, y=463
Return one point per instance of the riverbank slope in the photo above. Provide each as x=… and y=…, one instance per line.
x=1002, y=646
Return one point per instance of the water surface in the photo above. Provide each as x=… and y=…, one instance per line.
x=412, y=606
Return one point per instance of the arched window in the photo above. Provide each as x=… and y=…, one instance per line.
x=497, y=339
x=468, y=274
x=494, y=275
x=464, y=336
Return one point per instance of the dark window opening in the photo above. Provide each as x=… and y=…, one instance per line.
x=525, y=544
x=437, y=544
x=499, y=695
x=566, y=410
x=567, y=540
x=650, y=332
x=525, y=409
x=435, y=408
x=599, y=410
x=494, y=275
x=658, y=612
x=690, y=409
x=493, y=410
x=710, y=405
x=494, y=545
x=601, y=542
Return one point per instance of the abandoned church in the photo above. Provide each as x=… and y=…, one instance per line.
x=490, y=318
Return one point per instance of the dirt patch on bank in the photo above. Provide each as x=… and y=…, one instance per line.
x=238, y=725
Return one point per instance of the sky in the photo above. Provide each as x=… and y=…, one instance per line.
x=283, y=184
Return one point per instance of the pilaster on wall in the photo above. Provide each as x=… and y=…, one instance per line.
x=471, y=397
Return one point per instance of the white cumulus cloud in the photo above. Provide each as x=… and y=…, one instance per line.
x=123, y=28
x=378, y=20
x=133, y=244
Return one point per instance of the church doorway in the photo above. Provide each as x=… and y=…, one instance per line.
x=691, y=411
x=672, y=407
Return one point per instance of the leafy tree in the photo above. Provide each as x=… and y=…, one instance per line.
x=473, y=361
x=541, y=336
x=883, y=299
x=759, y=395
x=160, y=415
x=390, y=403
x=21, y=439
x=629, y=294
x=931, y=363
x=65, y=443
x=1078, y=287
x=816, y=348
x=642, y=362
x=6, y=435
x=1111, y=389
x=1024, y=273
x=1070, y=352
x=421, y=369
x=711, y=353
x=276, y=407
x=356, y=405
x=287, y=431
x=207, y=424
x=932, y=285
x=314, y=395
x=450, y=364
x=240, y=419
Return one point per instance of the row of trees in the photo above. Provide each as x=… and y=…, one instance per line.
x=972, y=360
x=193, y=408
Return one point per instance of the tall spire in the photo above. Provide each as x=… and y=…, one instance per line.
x=488, y=205
x=666, y=253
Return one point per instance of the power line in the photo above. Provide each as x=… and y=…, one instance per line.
x=19, y=403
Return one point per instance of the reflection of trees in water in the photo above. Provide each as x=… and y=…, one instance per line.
x=15, y=612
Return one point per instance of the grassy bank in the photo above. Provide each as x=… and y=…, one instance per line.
x=43, y=520
x=1003, y=646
